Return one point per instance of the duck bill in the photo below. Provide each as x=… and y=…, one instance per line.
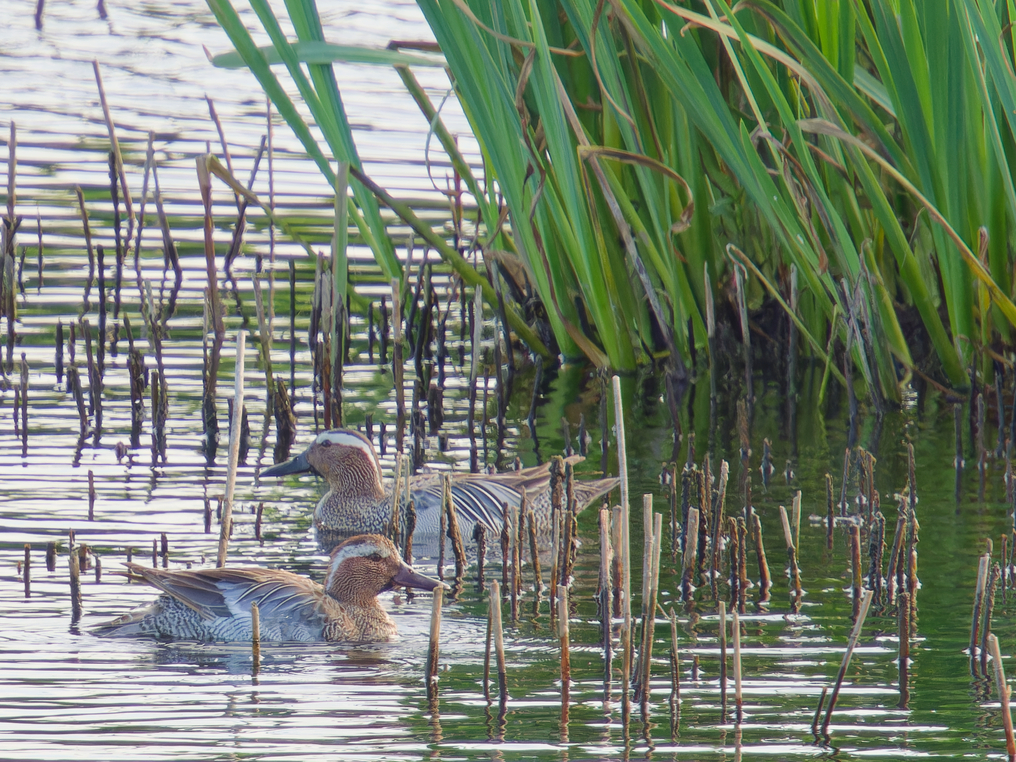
x=406, y=577
x=297, y=465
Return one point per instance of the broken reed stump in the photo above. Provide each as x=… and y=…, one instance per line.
x=255, y=634
x=432, y=650
x=604, y=596
x=1004, y=695
x=794, y=570
x=75, y=580
x=27, y=571
x=563, y=636
x=498, y=632
x=454, y=533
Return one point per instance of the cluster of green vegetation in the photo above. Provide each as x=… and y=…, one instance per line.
x=638, y=154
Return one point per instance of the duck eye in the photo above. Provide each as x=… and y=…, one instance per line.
x=376, y=557
x=326, y=443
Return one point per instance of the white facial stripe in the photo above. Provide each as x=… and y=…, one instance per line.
x=356, y=549
x=346, y=439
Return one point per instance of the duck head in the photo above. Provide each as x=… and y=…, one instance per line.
x=346, y=459
x=368, y=564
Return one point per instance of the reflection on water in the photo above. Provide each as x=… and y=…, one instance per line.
x=65, y=694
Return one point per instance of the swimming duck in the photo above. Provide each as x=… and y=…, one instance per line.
x=358, y=501
x=214, y=604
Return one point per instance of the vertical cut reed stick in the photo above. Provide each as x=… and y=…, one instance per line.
x=255, y=632
x=458, y=548
x=400, y=397
x=164, y=552
x=234, y=451
x=830, y=513
x=689, y=561
x=1004, y=694
x=736, y=632
x=765, y=581
x=495, y=624
x=903, y=626
x=91, y=495
x=855, y=567
x=24, y=406
x=563, y=640
x=606, y=554
x=855, y=636
x=486, y=654
x=480, y=538
x=795, y=571
x=987, y=609
x=51, y=556
x=675, y=667
x=75, y=575
x=975, y=620
x=435, y=634
x=27, y=570
x=721, y=609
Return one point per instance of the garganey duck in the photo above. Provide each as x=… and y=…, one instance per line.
x=358, y=500
x=214, y=604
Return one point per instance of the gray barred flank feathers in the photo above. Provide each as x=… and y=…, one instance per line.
x=358, y=501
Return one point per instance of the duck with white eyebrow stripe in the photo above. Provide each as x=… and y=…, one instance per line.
x=358, y=500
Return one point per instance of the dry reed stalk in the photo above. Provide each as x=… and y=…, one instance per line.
x=689, y=560
x=855, y=567
x=27, y=571
x=51, y=556
x=616, y=571
x=486, y=654
x=975, y=621
x=1004, y=695
x=75, y=577
x=734, y=547
x=164, y=550
x=255, y=632
x=987, y=609
x=818, y=711
x=397, y=368
x=604, y=595
x=234, y=451
x=622, y=465
x=721, y=610
x=534, y=552
x=721, y=505
x=855, y=636
x=393, y=521
x=765, y=581
x=738, y=698
x=675, y=666
x=563, y=640
x=830, y=513
x=257, y=523
x=91, y=495
x=24, y=406
x=407, y=552
x=903, y=627
x=432, y=650
x=516, y=558
x=795, y=571
x=495, y=623
x=454, y=533
x=892, y=572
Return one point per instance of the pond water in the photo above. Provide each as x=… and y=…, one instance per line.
x=66, y=694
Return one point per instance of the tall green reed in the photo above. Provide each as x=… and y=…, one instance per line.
x=635, y=143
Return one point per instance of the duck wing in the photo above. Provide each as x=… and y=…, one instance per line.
x=228, y=591
x=482, y=497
